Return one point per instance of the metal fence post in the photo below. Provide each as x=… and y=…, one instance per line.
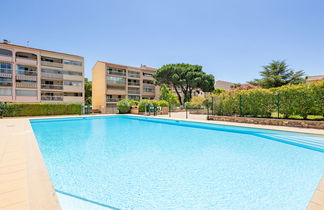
x=169, y=109
x=241, y=111
x=278, y=105
x=186, y=111
x=212, y=108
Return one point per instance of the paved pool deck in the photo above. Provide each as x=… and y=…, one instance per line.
x=24, y=180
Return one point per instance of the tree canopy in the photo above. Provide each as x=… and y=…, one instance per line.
x=167, y=95
x=87, y=91
x=277, y=74
x=185, y=78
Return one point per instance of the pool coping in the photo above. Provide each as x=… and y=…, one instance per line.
x=22, y=164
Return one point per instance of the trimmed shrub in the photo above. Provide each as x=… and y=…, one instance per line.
x=40, y=109
x=123, y=106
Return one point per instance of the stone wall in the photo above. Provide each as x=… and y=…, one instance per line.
x=269, y=121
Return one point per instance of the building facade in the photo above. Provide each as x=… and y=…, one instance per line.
x=113, y=82
x=223, y=85
x=310, y=79
x=35, y=75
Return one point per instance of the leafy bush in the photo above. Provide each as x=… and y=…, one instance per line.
x=290, y=100
x=133, y=102
x=143, y=103
x=197, y=102
x=39, y=109
x=163, y=103
x=123, y=106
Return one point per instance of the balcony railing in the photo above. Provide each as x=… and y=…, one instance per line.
x=134, y=75
x=116, y=73
x=112, y=82
x=6, y=84
x=52, y=76
x=133, y=92
x=113, y=99
x=148, y=85
x=6, y=73
x=26, y=73
x=26, y=85
x=133, y=84
x=52, y=64
x=52, y=98
x=55, y=87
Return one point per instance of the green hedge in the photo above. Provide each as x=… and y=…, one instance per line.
x=39, y=109
x=123, y=106
x=289, y=100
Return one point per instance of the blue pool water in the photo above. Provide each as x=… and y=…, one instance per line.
x=135, y=163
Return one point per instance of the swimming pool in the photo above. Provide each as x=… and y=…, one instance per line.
x=128, y=162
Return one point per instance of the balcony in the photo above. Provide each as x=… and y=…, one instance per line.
x=25, y=77
x=134, y=75
x=116, y=73
x=6, y=58
x=52, y=98
x=6, y=73
x=26, y=58
x=26, y=85
x=52, y=76
x=148, y=85
x=52, y=87
x=5, y=84
x=133, y=84
x=52, y=64
x=134, y=92
x=113, y=99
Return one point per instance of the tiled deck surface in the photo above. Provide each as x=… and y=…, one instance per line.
x=24, y=180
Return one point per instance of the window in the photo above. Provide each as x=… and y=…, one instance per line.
x=5, y=52
x=72, y=83
x=116, y=80
x=26, y=81
x=145, y=74
x=74, y=73
x=5, y=68
x=137, y=98
x=71, y=62
x=148, y=90
x=73, y=94
x=5, y=91
x=5, y=82
x=26, y=70
x=54, y=71
x=26, y=92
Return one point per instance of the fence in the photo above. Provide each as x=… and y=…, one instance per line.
x=300, y=101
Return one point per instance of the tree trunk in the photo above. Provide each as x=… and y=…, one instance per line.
x=179, y=97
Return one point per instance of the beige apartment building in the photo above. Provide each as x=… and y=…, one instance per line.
x=114, y=82
x=34, y=75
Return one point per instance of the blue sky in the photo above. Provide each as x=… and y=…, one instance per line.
x=231, y=39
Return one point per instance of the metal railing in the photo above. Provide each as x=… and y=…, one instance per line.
x=26, y=73
x=133, y=84
x=52, y=98
x=53, y=64
x=48, y=86
x=134, y=75
x=116, y=73
x=113, y=99
x=6, y=84
x=133, y=92
x=26, y=85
